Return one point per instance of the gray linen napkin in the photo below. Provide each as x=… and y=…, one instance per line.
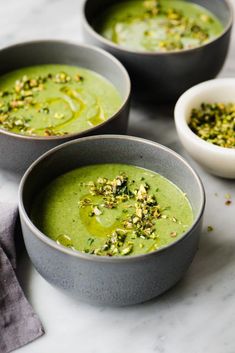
x=19, y=325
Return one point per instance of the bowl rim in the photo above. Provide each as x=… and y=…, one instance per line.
x=90, y=257
x=124, y=101
x=112, y=45
x=181, y=118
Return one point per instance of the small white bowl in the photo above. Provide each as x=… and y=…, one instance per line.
x=216, y=160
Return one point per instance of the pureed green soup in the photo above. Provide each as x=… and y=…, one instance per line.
x=49, y=100
x=158, y=26
x=113, y=210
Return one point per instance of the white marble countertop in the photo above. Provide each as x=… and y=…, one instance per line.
x=196, y=316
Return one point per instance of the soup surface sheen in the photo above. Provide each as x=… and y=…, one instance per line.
x=49, y=100
x=113, y=210
x=158, y=26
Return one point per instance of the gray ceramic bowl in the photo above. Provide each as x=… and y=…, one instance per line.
x=105, y=280
x=17, y=151
x=165, y=76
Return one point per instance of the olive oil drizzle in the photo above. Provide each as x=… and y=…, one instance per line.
x=24, y=96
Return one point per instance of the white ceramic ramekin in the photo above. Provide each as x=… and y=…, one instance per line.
x=217, y=160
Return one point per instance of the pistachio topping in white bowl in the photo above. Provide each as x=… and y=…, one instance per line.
x=205, y=123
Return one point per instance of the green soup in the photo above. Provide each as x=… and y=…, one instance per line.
x=158, y=26
x=50, y=100
x=113, y=210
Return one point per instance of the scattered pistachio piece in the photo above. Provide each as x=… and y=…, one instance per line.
x=228, y=202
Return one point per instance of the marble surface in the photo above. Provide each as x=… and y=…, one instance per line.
x=196, y=316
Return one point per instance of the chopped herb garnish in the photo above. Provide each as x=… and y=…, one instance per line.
x=91, y=241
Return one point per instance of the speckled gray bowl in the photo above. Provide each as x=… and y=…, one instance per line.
x=165, y=76
x=18, y=151
x=105, y=280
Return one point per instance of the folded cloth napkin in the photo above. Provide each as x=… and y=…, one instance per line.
x=19, y=324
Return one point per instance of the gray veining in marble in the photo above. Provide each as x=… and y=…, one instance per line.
x=198, y=315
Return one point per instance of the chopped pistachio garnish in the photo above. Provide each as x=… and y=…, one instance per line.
x=127, y=250
x=44, y=110
x=52, y=132
x=11, y=121
x=59, y=116
x=228, y=202
x=113, y=191
x=215, y=123
x=161, y=28
x=139, y=219
x=97, y=211
x=210, y=229
x=23, y=96
x=62, y=77
x=78, y=78
x=85, y=202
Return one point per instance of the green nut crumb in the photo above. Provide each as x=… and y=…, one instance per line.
x=214, y=123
